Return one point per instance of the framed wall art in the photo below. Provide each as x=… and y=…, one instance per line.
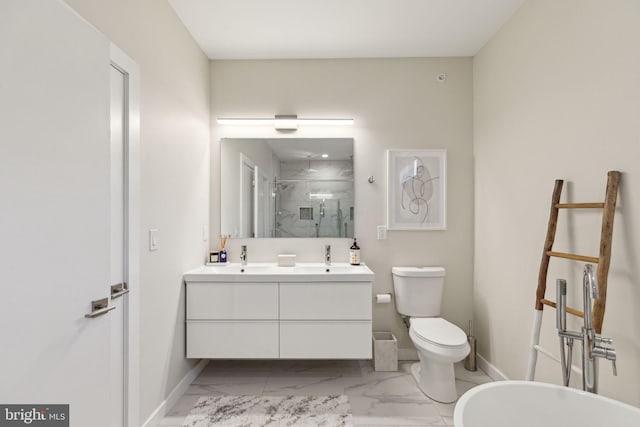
x=416, y=189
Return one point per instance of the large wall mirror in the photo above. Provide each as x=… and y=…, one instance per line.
x=286, y=187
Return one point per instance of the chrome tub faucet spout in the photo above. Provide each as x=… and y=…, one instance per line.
x=327, y=255
x=593, y=345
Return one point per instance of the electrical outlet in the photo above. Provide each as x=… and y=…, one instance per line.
x=382, y=232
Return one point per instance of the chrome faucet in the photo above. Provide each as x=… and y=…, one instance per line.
x=327, y=255
x=593, y=345
x=243, y=255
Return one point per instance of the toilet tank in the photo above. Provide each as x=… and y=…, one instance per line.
x=418, y=290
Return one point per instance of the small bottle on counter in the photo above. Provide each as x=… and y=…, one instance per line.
x=222, y=255
x=354, y=253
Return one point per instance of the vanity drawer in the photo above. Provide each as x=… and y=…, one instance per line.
x=325, y=340
x=219, y=300
x=232, y=340
x=325, y=301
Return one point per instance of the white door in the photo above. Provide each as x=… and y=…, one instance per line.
x=264, y=195
x=247, y=196
x=119, y=286
x=55, y=204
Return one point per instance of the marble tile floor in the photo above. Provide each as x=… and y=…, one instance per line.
x=380, y=399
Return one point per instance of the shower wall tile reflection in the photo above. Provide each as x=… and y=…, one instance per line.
x=326, y=186
x=316, y=169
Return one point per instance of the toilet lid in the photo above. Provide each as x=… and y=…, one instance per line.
x=438, y=331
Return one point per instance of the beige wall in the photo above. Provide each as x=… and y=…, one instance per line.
x=396, y=103
x=174, y=176
x=557, y=95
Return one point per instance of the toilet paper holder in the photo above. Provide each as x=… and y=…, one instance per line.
x=383, y=298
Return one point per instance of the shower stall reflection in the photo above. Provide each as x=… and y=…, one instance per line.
x=286, y=187
x=313, y=208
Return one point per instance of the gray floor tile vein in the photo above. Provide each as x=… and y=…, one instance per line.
x=371, y=393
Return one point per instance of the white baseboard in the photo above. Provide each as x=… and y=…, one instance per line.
x=175, y=395
x=491, y=371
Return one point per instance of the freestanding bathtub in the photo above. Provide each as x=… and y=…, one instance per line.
x=535, y=404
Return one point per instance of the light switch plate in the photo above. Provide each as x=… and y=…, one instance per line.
x=382, y=232
x=153, y=239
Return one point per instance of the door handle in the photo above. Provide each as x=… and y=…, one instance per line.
x=99, y=307
x=119, y=290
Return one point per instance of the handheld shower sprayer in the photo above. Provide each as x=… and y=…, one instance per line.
x=590, y=277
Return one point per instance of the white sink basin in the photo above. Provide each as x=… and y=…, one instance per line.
x=238, y=269
x=330, y=269
x=270, y=272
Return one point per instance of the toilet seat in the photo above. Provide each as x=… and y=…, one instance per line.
x=438, y=332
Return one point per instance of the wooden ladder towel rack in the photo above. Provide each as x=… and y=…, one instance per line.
x=602, y=260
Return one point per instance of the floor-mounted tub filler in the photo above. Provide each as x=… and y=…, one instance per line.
x=534, y=404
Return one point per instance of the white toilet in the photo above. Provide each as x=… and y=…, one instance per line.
x=440, y=344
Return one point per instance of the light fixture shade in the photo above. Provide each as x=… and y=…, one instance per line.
x=286, y=122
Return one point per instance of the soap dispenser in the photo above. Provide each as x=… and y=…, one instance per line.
x=354, y=253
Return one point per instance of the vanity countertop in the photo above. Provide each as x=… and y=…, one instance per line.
x=271, y=272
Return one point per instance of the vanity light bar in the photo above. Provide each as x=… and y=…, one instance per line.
x=285, y=122
x=326, y=122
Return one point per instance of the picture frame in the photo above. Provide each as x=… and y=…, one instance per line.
x=416, y=189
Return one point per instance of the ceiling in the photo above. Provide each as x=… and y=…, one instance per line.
x=288, y=29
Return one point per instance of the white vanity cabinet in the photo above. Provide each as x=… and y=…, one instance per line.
x=325, y=320
x=286, y=314
x=232, y=320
